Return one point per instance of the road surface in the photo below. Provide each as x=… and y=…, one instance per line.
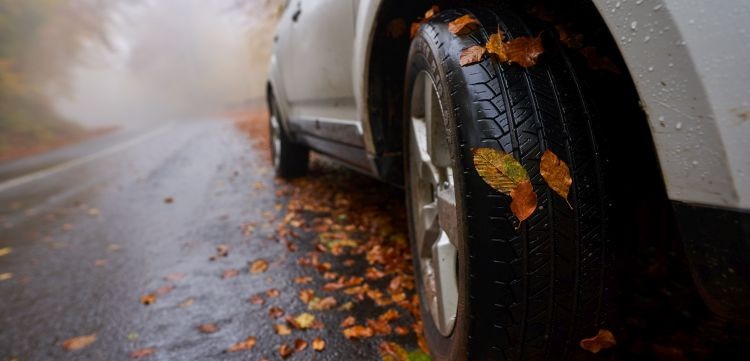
x=91, y=229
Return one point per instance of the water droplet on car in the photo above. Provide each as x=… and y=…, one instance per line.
x=633, y=25
x=678, y=126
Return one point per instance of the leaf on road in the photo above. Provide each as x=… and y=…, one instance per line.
x=303, y=280
x=257, y=300
x=318, y=344
x=282, y=329
x=302, y=321
x=523, y=50
x=306, y=295
x=556, y=173
x=273, y=293
x=604, y=339
x=77, y=343
x=503, y=173
x=358, y=331
x=285, y=351
x=275, y=312
x=5, y=276
x=222, y=250
x=144, y=352
x=101, y=262
x=391, y=351
x=300, y=344
x=349, y=321
x=401, y=330
x=187, y=303
x=318, y=304
x=379, y=326
x=208, y=328
x=5, y=251
x=148, y=299
x=471, y=55
x=248, y=344
x=259, y=266
x=463, y=25
x=230, y=273
x=133, y=336
x=389, y=315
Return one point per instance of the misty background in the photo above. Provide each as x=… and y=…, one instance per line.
x=70, y=66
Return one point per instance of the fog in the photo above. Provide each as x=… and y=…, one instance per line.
x=171, y=59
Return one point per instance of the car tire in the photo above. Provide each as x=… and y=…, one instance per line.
x=526, y=290
x=290, y=160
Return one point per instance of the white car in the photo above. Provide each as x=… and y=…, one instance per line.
x=647, y=102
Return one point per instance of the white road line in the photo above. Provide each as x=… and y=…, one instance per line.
x=15, y=182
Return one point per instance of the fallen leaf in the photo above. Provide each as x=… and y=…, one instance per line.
x=325, y=303
x=496, y=46
x=463, y=25
x=100, y=262
x=523, y=50
x=273, y=293
x=77, y=343
x=524, y=201
x=282, y=329
x=303, y=320
x=604, y=339
x=144, y=352
x=93, y=212
x=306, y=295
x=187, y=303
x=222, y=250
x=389, y=315
x=570, y=39
x=148, y=299
x=5, y=276
x=349, y=321
x=300, y=344
x=259, y=266
x=161, y=291
x=346, y=306
x=358, y=332
x=434, y=9
x=303, y=280
x=401, y=331
x=471, y=55
x=503, y=173
x=208, y=328
x=379, y=326
x=230, y=273
x=275, y=312
x=168, y=200
x=556, y=173
x=598, y=62
x=248, y=344
x=318, y=344
x=413, y=29
x=390, y=351
x=285, y=351
x=5, y=251
x=257, y=300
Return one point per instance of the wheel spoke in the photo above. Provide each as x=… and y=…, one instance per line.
x=446, y=209
x=446, y=288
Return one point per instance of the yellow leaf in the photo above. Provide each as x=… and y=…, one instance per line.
x=304, y=320
x=496, y=46
x=471, y=55
x=556, y=173
x=463, y=25
x=259, y=266
x=77, y=343
x=604, y=339
x=5, y=251
x=503, y=173
x=5, y=276
x=249, y=343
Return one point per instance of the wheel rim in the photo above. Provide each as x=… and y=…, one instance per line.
x=275, y=139
x=433, y=201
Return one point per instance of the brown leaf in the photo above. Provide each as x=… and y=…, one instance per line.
x=556, y=173
x=598, y=62
x=379, y=326
x=259, y=266
x=230, y=273
x=282, y=329
x=496, y=46
x=524, y=201
x=390, y=351
x=148, y=299
x=248, y=344
x=373, y=273
x=208, y=328
x=524, y=50
x=325, y=303
x=358, y=332
x=285, y=351
x=318, y=344
x=300, y=344
x=222, y=250
x=401, y=331
x=77, y=343
x=275, y=312
x=604, y=339
x=168, y=200
x=471, y=55
x=389, y=315
x=257, y=300
x=349, y=321
x=273, y=293
x=303, y=280
x=463, y=25
x=306, y=295
x=144, y=352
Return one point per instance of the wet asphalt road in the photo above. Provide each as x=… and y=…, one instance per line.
x=91, y=237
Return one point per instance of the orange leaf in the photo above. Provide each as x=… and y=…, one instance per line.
x=389, y=315
x=496, y=46
x=285, y=351
x=303, y=280
x=148, y=299
x=390, y=351
x=208, y=328
x=524, y=201
x=282, y=329
x=471, y=55
x=248, y=344
x=300, y=344
x=77, y=343
x=144, y=352
x=463, y=25
x=556, y=173
x=349, y=321
x=604, y=339
x=434, y=9
x=273, y=293
x=318, y=344
x=322, y=303
x=259, y=266
x=257, y=300
x=379, y=326
x=275, y=312
x=358, y=332
x=306, y=295
x=524, y=50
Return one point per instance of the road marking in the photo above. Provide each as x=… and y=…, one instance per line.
x=15, y=182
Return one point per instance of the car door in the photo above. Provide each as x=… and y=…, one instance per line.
x=318, y=67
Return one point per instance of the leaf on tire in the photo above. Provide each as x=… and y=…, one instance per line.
x=604, y=339
x=434, y=9
x=556, y=173
x=523, y=50
x=471, y=55
x=503, y=173
x=463, y=25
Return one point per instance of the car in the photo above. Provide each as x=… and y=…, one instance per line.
x=645, y=103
